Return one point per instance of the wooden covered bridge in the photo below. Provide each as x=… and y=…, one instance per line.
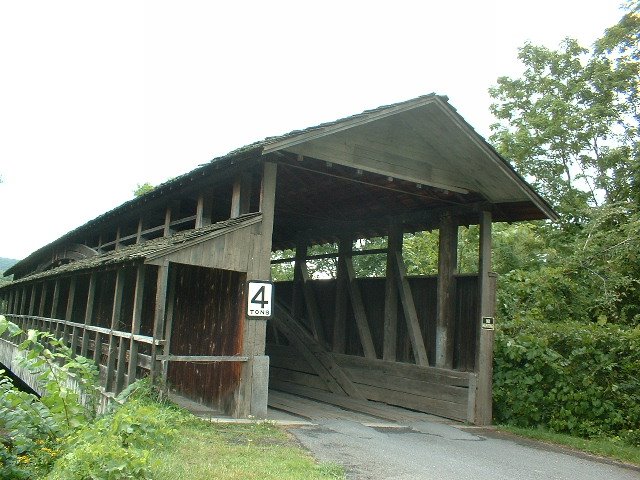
x=158, y=286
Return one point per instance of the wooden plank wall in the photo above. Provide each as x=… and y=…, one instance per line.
x=433, y=390
x=208, y=319
x=424, y=291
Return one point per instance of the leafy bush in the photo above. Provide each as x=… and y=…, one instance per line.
x=570, y=377
x=116, y=446
x=31, y=428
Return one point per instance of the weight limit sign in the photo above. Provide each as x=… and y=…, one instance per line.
x=260, y=300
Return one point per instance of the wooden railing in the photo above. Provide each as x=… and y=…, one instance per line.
x=117, y=366
x=114, y=358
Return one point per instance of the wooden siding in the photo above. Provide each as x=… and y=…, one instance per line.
x=207, y=320
x=424, y=291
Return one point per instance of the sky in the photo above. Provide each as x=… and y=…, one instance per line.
x=98, y=97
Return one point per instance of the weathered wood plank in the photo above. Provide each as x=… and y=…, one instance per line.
x=447, y=266
x=115, y=321
x=456, y=411
x=88, y=315
x=410, y=315
x=342, y=291
x=136, y=319
x=159, y=314
x=358, y=309
x=390, y=332
x=202, y=358
x=484, y=351
x=405, y=370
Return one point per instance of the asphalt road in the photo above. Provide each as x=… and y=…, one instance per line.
x=427, y=450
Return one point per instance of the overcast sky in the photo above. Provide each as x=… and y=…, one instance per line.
x=96, y=97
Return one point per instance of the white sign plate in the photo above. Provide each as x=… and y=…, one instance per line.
x=487, y=323
x=260, y=299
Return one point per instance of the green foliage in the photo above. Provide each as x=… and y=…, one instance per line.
x=33, y=427
x=117, y=446
x=143, y=188
x=574, y=378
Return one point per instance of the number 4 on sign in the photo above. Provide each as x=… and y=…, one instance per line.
x=260, y=299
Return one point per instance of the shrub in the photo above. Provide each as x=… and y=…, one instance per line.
x=570, y=377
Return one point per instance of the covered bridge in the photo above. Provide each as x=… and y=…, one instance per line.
x=159, y=284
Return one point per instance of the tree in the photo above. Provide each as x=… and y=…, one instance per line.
x=141, y=189
x=570, y=125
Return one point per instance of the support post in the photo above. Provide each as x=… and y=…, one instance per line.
x=486, y=308
x=54, y=308
x=253, y=391
x=115, y=322
x=23, y=301
x=447, y=266
x=342, y=296
x=241, y=195
x=168, y=327
x=390, y=339
x=203, y=211
x=88, y=313
x=159, y=315
x=136, y=321
x=68, y=316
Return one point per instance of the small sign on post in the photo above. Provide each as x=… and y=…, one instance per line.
x=259, y=299
x=487, y=323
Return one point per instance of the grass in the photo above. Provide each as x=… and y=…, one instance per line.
x=202, y=450
x=605, y=447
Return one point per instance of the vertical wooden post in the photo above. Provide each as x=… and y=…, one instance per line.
x=445, y=316
x=253, y=391
x=486, y=308
x=167, y=222
x=342, y=295
x=54, y=308
x=32, y=306
x=11, y=301
x=23, y=301
x=115, y=322
x=203, y=211
x=68, y=316
x=168, y=327
x=390, y=339
x=118, y=235
x=136, y=321
x=241, y=195
x=88, y=313
x=159, y=315
x=297, y=300
x=313, y=312
x=139, y=231
x=43, y=302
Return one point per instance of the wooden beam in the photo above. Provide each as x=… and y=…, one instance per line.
x=68, y=314
x=136, y=320
x=486, y=308
x=297, y=290
x=311, y=303
x=139, y=230
x=23, y=301
x=410, y=315
x=203, y=211
x=54, y=307
x=342, y=296
x=241, y=195
x=167, y=222
x=88, y=313
x=116, y=316
x=447, y=267
x=168, y=323
x=159, y=314
x=390, y=339
x=358, y=309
